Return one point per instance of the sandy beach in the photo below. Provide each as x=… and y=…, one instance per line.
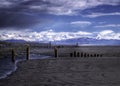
x=74, y=66
x=66, y=72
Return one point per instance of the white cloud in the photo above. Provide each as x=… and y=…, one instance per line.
x=81, y=23
x=42, y=36
x=57, y=36
x=108, y=34
x=61, y=11
x=5, y=3
x=93, y=15
x=69, y=7
x=108, y=26
x=57, y=7
x=102, y=22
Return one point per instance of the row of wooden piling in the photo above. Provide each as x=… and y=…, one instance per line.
x=73, y=54
x=27, y=54
x=81, y=54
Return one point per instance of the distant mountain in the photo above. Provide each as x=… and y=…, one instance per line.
x=80, y=41
x=15, y=41
x=90, y=41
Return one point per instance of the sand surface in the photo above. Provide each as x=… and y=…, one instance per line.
x=67, y=71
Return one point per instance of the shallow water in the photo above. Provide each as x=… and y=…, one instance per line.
x=7, y=66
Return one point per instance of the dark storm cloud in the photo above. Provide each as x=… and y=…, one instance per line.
x=22, y=13
x=26, y=5
x=19, y=20
x=17, y=14
x=60, y=7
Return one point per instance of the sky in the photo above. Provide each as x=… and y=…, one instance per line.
x=50, y=20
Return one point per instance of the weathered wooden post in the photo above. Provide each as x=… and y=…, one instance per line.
x=91, y=55
x=78, y=54
x=88, y=55
x=81, y=54
x=27, y=52
x=56, y=52
x=97, y=55
x=74, y=53
x=71, y=54
x=85, y=54
x=13, y=55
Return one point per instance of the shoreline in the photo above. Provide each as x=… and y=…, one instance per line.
x=14, y=65
x=11, y=71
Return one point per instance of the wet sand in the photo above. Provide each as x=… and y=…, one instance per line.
x=66, y=71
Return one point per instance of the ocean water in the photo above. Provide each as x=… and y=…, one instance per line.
x=7, y=66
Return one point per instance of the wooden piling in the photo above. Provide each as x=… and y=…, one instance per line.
x=78, y=54
x=81, y=54
x=55, y=52
x=74, y=53
x=71, y=54
x=88, y=55
x=91, y=55
x=85, y=54
x=13, y=55
x=95, y=55
x=27, y=52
